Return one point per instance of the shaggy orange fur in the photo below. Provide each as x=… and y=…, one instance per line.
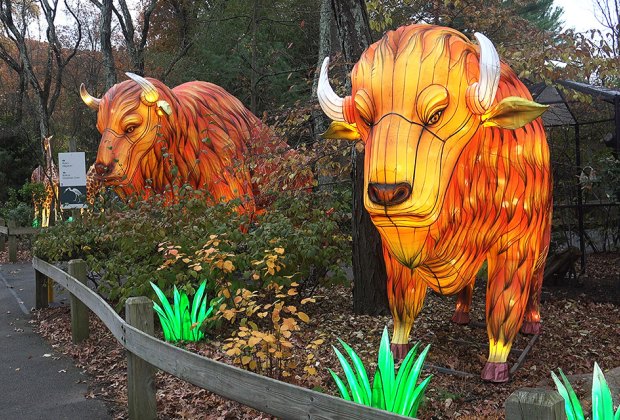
x=197, y=134
x=476, y=191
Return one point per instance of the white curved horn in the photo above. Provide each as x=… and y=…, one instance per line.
x=149, y=92
x=330, y=102
x=489, y=71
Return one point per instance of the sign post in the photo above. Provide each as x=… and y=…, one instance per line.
x=72, y=180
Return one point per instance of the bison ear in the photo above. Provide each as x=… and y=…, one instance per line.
x=512, y=113
x=164, y=107
x=341, y=130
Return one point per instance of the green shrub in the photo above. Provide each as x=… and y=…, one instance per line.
x=265, y=328
x=19, y=206
x=128, y=246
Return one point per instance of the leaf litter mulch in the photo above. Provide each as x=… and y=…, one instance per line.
x=581, y=325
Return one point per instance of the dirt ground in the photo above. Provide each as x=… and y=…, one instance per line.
x=581, y=324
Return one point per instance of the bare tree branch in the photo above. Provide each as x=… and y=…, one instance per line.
x=46, y=82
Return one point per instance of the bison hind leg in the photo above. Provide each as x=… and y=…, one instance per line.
x=461, y=318
x=495, y=372
x=530, y=327
x=400, y=350
x=463, y=305
x=531, y=318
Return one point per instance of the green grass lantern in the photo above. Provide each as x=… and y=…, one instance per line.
x=180, y=321
x=602, y=403
x=398, y=393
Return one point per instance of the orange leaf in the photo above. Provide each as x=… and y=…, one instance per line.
x=311, y=370
x=228, y=266
x=233, y=351
x=302, y=315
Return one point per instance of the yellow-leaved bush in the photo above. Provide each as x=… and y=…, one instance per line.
x=267, y=320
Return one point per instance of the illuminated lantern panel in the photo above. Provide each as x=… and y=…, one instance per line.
x=155, y=139
x=456, y=172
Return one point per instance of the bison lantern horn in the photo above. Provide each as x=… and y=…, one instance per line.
x=90, y=101
x=149, y=93
x=480, y=94
x=330, y=102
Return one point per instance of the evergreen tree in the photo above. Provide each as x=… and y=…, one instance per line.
x=542, y=13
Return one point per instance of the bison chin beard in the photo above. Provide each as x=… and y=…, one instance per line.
x=408, y=245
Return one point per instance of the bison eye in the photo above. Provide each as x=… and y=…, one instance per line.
x=366, y=120
x=130, y=129
x=434, y=118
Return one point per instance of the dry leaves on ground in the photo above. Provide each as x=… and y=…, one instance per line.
x=580, y=326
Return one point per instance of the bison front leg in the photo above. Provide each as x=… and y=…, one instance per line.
x=463, y=304
x=510, y=274
x=406, y=295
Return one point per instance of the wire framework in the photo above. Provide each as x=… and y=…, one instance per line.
x=577, y=132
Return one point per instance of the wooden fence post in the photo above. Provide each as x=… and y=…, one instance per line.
x=140, y=374
x=12, y=242
x=2, y=238
x=79, y=311
x=40, y=290
x=535, y=404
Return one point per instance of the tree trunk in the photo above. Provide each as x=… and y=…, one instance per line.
x=23, y=87
x=319, y=121
x=353, y=28
x=370, y=279
x=44, y=119
x=253, y=59
x=106, y=44
x=369, y=276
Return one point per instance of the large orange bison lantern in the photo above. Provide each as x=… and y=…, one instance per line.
x=456, y=172
x=154, y=139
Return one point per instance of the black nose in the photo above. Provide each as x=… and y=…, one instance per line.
x=101, y=169
x=389, y=194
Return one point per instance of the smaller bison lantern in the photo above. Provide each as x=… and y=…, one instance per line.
x=456, y=172
x=155, y=139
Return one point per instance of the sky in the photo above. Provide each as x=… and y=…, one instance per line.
x=579, y=14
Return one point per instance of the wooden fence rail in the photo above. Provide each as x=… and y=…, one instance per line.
x=9, y=232
x=262, y=393
x=147, y=353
